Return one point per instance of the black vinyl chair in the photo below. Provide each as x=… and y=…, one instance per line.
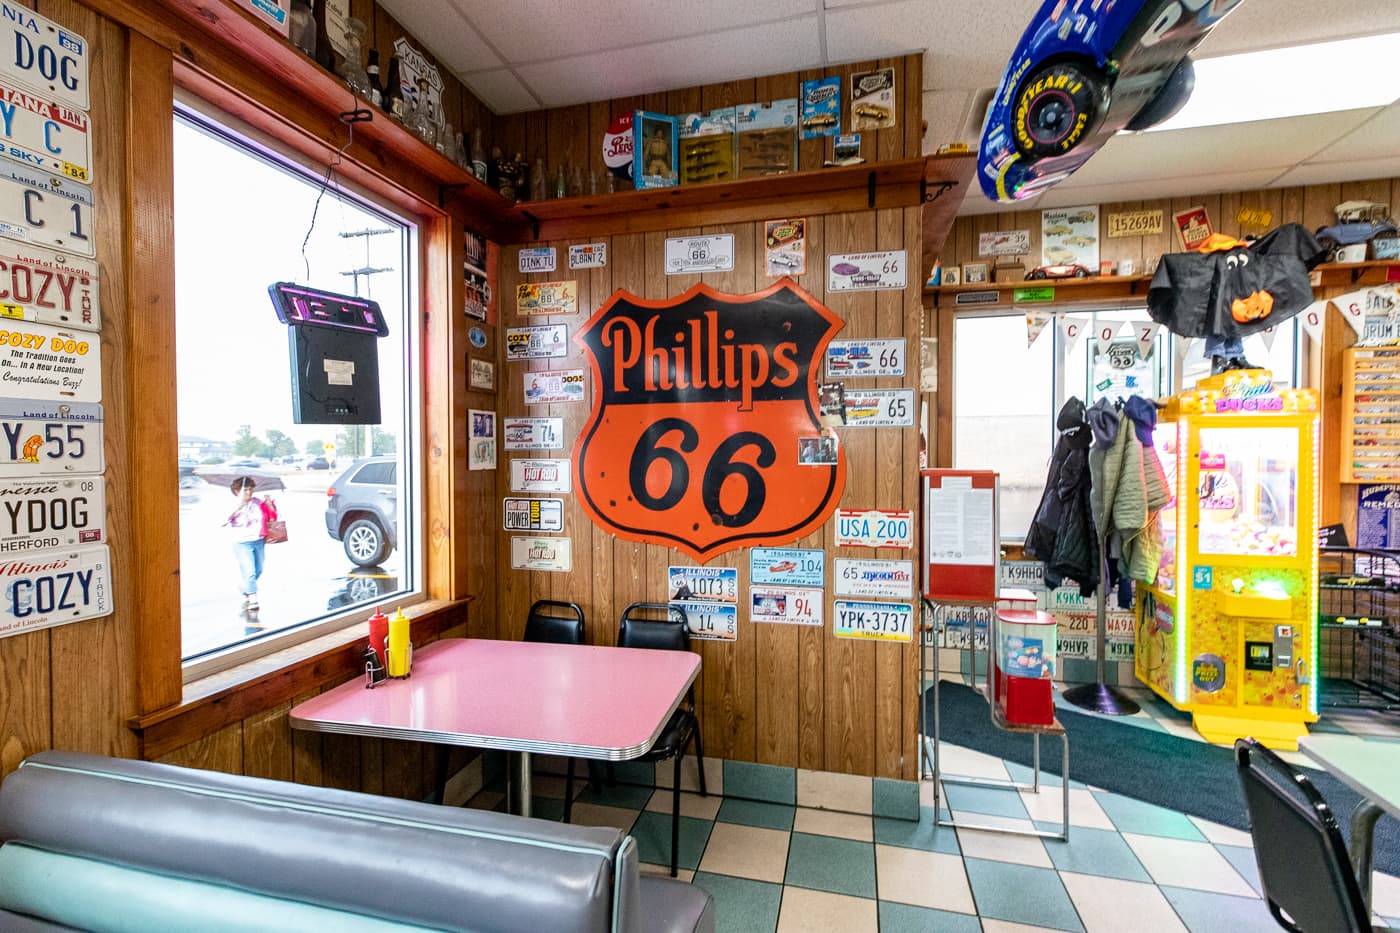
x=1307, y=879
x=640, y=628
x=560, y=623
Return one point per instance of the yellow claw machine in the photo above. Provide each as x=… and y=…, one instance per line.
x=1228, y=632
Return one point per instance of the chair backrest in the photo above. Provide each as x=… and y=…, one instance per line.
x=641, y=629
x=1302, y=858
x=554, y=621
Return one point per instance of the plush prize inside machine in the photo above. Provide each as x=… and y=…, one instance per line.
x=1228, y=631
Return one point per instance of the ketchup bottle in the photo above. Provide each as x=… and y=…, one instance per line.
x=379, y=635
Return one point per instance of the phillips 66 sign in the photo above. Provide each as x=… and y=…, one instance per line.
x=698, y=407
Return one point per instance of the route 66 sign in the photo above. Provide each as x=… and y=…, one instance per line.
x=699, y=404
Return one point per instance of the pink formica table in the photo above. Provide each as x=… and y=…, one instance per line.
x=581, y=701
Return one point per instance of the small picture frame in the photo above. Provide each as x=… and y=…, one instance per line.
x=975, y=273
x=952, y=276
x=481, y=375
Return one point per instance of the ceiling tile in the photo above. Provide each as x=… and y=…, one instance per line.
x=961, y=51
x=501, y=91
x=769, y=49
x=1066, y=194
x=441, y=29
x=1318, y=173
x=1266, y=24
x=946, y=113
x=1377, y=138
x=542, y=30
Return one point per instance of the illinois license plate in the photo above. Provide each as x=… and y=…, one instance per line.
x=710, y=620
x=44, y=135
x=42, y=55
x=46, y=210
x=47, y=514
x=54, y=588
x=879, y=621
x=49, y=438
x=48, y=288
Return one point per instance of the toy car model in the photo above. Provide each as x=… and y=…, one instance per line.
x=1081, y=73
x=1068, y=270
x=1350, y=212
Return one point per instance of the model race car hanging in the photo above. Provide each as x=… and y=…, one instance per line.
x=1083, y=70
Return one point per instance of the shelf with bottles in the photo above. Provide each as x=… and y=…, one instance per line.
x=1371, y=415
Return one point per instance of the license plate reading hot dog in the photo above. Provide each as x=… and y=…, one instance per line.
x=47, y=514
x=49, y=438
x=879, y=621
x=54, y=588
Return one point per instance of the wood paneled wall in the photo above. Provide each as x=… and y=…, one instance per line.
x=780, y=694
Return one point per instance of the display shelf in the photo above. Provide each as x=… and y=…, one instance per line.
x=1371, y=415
x=1091, y=288
x=1377, y=272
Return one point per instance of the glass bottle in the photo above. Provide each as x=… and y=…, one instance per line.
x=419, y=118
x=479, y=168
x=561, y=184
x=538, y=184
x=393, y=90
x=303, y=27
x=459, y=151
x=592, y=182
x=575, y=182
x=325, y=55
x=350, y=69
x=376, y=87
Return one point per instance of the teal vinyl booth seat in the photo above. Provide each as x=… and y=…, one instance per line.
x=95, y=843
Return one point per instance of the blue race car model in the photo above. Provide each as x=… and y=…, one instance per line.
x=1083, y=70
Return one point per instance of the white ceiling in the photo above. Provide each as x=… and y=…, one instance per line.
x=534, y=54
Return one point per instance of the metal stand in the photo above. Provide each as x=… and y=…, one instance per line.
x=1100, y=697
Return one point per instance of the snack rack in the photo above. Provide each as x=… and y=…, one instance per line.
x=1371, y=415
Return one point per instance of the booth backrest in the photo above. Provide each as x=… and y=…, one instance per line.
x=101, y=843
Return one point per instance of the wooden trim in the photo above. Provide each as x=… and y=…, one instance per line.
x=180, y=724
x=149, y=362
x=444, y=409
x=1093, y=288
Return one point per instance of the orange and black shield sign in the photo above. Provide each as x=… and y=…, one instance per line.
x=699, y=406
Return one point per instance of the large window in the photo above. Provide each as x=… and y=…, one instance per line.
x=1006, y=394
x=244, y=219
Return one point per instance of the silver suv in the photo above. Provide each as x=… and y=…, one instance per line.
x=362, y=510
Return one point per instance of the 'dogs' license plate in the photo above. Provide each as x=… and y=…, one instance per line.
x=881, y=621
x=49, y=438
x=40, y=54
x=48, y=288
x=47, y=514
x=54, y=588
x=42, y=134
x=46, y=210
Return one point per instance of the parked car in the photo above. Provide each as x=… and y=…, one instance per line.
x=244, y=462
x=362, y=510
x=1067, y=270
x=318, y=463
x=1081, y=73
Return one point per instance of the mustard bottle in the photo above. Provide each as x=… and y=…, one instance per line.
x=399, y=645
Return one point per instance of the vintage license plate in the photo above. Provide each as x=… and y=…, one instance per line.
x=50, y=589
x=549, y=386
x=846, y=358
x=44, y=362
x=44, y=135
x=878, y=621
x=791, y=607
x=888, y=578
x=540, y=476
x=879, y=408
x=48, y=514
x=588, y=256
x=710, y=620
x=716, y=584
x=545, y=515
x=49, y=438
x=874, y=528
x=787, y=566
x=43, y=56
x=46, y=210
x=552, y=554
x=48, y=287
x=547, y=297
x=537, y=259
x=700, y=254
x=853, y=272
x=534, y=433
x=537, y=343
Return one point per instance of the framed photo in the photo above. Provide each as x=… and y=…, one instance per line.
x=975, y=273
x=952, y=276
x=481, y=374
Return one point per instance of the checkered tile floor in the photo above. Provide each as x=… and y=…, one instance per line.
x=1128, y=865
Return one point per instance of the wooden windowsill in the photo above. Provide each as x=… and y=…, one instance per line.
x=219, y=700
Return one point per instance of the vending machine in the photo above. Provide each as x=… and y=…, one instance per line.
x=1228, y=631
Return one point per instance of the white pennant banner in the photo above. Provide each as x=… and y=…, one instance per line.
x=1312, y=318
x=1104, y=332
x=1267, y=335
x=1353, y=308
x=1184, y=345
x=1035, y=325
x=1073, y=330
x=1146, y=334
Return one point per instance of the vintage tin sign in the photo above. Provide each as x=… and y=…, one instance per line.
x=544, y=515
x=712, y=621
x=788, y=606
x=549, y=554
x=588, y=256
x=854, y=272
x=39, y=133
x=533, y=433
x=43, y=56
x=876, y=621
x=50, y=513
x=847, y=358
x=539, y=476
x=46, y=210
x=874, y=528
x=49, y=288
x=693, y=438
x=879, y=408
x=557, y=385
x=537, y=343
x=54, y=588
x=690, y=254
x=891, y=579
x=40, y=361
x=537, y=259
x=787, y=566
x=547, y=297
x=716, y=584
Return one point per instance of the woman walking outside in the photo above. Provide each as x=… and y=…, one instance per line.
x=248, y=523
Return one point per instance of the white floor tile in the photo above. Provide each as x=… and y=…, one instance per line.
x=596, y=814
x=964, y=762
x=1104, y=904
x=819, y=912
x=1005, y=926
x=827, y=790
x=690, y=774
x=1003, y=847
x=1084, y=810
x=1222, y=835
x=702, y=808
x=1188, y=864
x=746, y=852
x=833, y=823
x=664, y=871
x=924, y=879
x=1385, y=894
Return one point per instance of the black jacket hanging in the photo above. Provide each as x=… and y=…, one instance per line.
x=1062, y=534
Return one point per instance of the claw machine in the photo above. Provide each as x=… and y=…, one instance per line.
x=1228, y=631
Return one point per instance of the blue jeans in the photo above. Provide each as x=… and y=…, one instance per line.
x=250, y=564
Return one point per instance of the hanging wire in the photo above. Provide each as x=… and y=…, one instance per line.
x=349, y=119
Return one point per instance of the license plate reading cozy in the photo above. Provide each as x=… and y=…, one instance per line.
x=54, y=588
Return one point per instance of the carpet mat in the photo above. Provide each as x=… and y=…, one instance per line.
x=1191, y=777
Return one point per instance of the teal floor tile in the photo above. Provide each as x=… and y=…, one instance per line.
x=987, y=800
x=1099, y=852
x=742, y=905
x=1203, y=912
x=756, y=813
x=905, y=918
x=1135, y=816
x=921, y=835
x=1021, y=894
x=760, y=782
x=1023, y=774
x=632, y=772
x=896, y=799
x=826, y=863
x=627, y=796
x=653, y=834
x=1242, y=858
